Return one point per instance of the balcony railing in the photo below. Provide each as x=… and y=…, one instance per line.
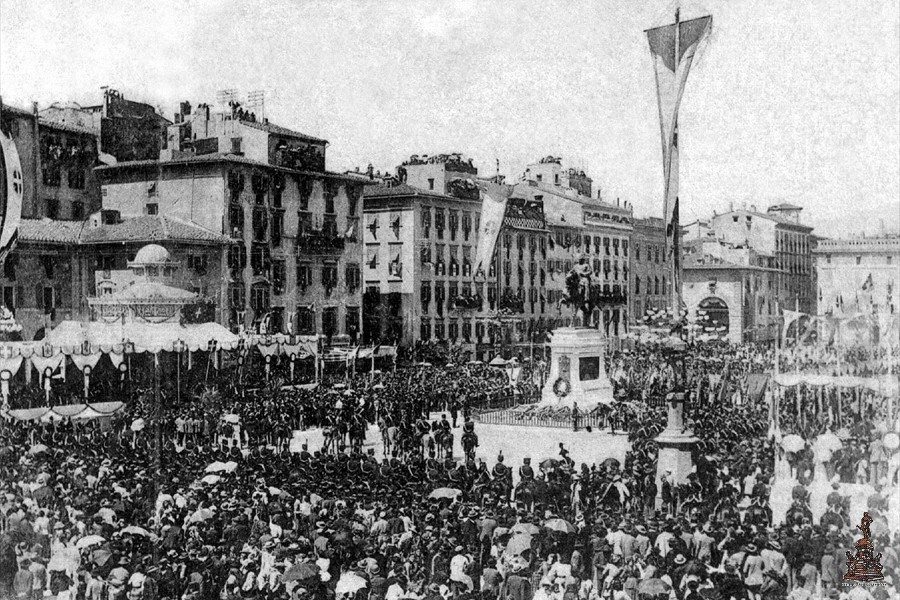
x=319, y=242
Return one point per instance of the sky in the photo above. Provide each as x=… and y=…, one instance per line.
x=789, y=101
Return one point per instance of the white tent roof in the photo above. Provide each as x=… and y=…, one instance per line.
x=146, y=337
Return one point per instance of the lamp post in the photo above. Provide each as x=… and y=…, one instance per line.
x=179, y=349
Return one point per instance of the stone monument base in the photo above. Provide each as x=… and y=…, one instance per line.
x=577, y=370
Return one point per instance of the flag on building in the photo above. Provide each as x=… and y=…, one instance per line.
x=493, y=207
x=11, y=193
x=673, y=48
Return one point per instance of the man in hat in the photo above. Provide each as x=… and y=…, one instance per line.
x=518, y=587
x=526, y=472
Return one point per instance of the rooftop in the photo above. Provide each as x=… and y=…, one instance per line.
x=145, y=229
x=217, y=157
x=383, y=190
x=278, y=130
x=49, y=123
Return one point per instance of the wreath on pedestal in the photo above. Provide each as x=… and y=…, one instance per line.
x=561, y=387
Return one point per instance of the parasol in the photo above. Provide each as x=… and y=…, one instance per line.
x=793, y=443
x=349, y=583
x=445, y=492
x=891, y=441
x=829, y=441
x=201, y=514
x=37, y=449
x=100, y=556
x=499, y=532
x=138, y=425
x=231, y=418
x=216, y=467
x=300, y=572
x=560, y=525
x=378, y=386
x=230, y=466
x=653, y=587
x=211, y=479
x=89, y=540
x=135, y=530
x=526, y=528
x=274, y=491
x=518, y=545
x=611, y=463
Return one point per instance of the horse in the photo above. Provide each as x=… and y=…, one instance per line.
x=798, y=514
x=444, y=441
x=524, y=494
x=469, y=443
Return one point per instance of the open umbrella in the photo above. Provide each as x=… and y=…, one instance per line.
x=445, y=492
x=349, y=583
x=653, y=587
x=201, y=514
x=793, y=443
x=378, y=386
x=526, y=528
x=829, y=441
x=216, y=467
x=135, y=530
x=518, y=545
x=274, y=491
x=100, y=556
x=37, y=449
x=499, y=532
x=138, y=425
x=89, y=540
x=891, y=441
x=560, y=525
x=300, y=572
x=211, y=479
x=230, y=466
x=231, y=418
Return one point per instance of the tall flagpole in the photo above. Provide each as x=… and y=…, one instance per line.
x=676, y=217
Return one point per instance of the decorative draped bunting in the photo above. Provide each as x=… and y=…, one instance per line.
x=886, y=384
x=71, y=411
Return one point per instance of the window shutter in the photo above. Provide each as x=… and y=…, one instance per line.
x=39, y=296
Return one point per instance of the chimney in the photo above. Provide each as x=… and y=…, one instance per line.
x=370, y=171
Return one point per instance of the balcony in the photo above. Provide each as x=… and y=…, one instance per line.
x=316, y=241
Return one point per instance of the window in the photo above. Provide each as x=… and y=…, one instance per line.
x=439, y=330
x=425, y=331
x=236, y=297
x=353, y=276
x=453, y=330
x=152, y=208
x=76, y=179
x=859, y=260
x=279, y=276
x=259, y=299
x=306, y=321
x=9, y=267
x=304, y=276
x=329, y=277
x=260, y=260
x=51, y=175
x=889, y=259
x=77, y=210
x=556, y=178
x=198, y=263
x=236, y=219
x=637, y=285
x=425, y=296
x=430, y=183
x=351, y=322
x=259, y=224
x=48, y=300
x=540, y=177
x=426, y=222
x=329, y=321
x=277, y=227
x=330, y=193
x=52, y=208
x=47, y=263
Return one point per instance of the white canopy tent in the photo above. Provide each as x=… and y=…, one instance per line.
x=145, y=337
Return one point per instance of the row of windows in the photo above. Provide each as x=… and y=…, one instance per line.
x=51, y=175
x=453, y=221
x=888, y=259
x=302, y=322
x=656, y=286
x=52, y=209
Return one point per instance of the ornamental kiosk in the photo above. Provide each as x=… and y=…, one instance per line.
x=577, y=370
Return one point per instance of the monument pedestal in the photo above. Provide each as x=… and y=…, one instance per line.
x=577, y=370
x=675, y=444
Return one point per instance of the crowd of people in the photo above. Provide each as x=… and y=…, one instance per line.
x=211, y=498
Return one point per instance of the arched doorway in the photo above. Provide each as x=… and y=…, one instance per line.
x=712, y=316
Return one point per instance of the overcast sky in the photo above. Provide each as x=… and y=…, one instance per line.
x=790, y=101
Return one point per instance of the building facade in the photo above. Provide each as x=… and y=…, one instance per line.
x=127, y=130
x=650, y=268
x=729, y=292
x=859, y=275
x=57, y=266
x=57, y=161
x=293, y=264
x=777, y=234
x=419, y=247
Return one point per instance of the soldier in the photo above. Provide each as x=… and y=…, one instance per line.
x=526, y=473
x=499, y=471
x=305, y=456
